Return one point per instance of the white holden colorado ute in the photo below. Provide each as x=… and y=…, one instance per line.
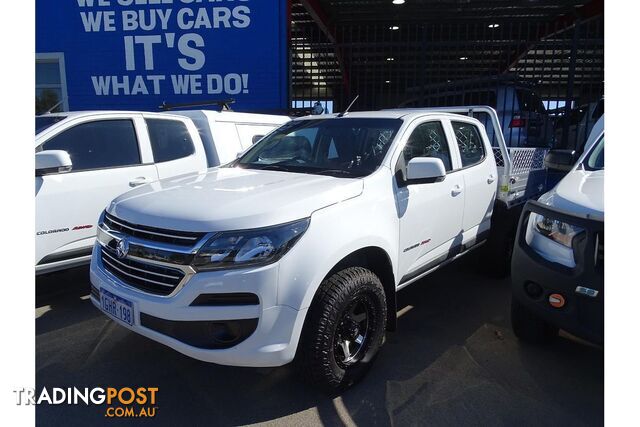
x=295, y=251
x=85, y=159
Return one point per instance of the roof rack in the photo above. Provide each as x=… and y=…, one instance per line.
x=222, y=103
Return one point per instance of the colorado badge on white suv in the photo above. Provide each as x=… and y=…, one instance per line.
x=295, y=251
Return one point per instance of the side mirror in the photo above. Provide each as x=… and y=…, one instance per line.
x=425, y=170
x=561, y=160
x=52, y=161
x=256, y=138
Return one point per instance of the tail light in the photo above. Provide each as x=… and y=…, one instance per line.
x=518, y=122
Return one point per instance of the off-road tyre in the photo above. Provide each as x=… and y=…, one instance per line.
x=332, y=321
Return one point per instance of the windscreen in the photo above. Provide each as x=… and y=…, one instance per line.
x=339, y=146
x=595, y=159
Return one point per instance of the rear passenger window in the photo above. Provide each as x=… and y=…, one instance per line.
x=469, y=142
x=170, y=139
x=428, y=140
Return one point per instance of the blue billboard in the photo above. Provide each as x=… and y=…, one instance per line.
x=139, y=54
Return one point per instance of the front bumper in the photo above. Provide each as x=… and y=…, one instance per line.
x=583, y=312
x=171, y=320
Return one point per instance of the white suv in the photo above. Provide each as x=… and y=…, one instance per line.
x=85, y=159
x=296, y=249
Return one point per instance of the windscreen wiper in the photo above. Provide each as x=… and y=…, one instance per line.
x=335, y=171
x=272, y=167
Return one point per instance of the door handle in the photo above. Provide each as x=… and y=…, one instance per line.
x=138, y=181
x=456, y=190
x=491, y=179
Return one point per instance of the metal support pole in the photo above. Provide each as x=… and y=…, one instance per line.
x=570, y=81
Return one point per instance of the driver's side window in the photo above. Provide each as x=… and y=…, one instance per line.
x=428, y=140
x=100, y=144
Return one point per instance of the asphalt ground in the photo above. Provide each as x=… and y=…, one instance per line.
x=452, y=361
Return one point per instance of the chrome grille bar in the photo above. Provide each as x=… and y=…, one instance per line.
x=182, y=238
x=136, y=277
x=157, y=261
x=151, y=277
x=113, y=259
x=151, y=232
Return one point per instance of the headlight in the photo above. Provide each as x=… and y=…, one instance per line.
x=246, y=248
x=558, y=231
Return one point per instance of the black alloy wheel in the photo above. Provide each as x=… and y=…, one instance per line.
x=353, y=331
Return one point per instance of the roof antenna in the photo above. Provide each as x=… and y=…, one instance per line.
x=345, y=112
x=50, y=110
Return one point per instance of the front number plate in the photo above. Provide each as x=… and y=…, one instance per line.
x=117, y=307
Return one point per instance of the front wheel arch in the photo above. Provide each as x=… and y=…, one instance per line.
x=378, y=261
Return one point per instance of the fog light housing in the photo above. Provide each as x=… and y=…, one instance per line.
x=210, y=335
x=533, y=290
x=227, y=333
